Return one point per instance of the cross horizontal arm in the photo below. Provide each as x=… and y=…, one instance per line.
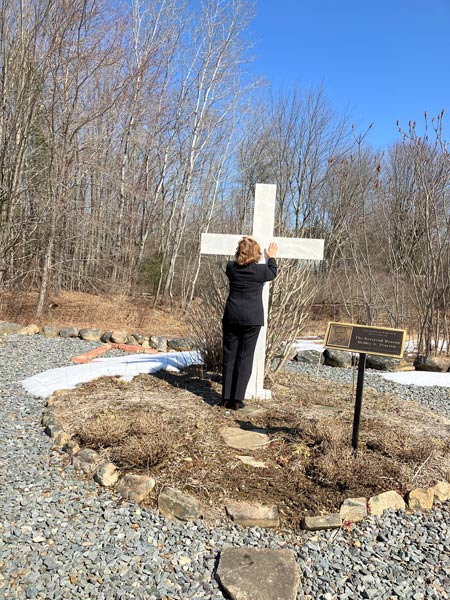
x=300, y=248
x=219, y=243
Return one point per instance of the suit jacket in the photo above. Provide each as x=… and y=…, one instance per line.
x=244, y=304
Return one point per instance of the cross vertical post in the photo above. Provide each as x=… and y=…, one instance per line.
x=263, y=229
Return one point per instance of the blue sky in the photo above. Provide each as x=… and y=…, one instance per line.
x=379, y=61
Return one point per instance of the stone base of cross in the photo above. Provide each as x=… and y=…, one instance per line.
x=263, y=227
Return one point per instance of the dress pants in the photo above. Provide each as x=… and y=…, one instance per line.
x=239, y=343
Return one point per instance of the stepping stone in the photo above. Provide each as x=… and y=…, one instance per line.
x=246, y=514
x=242, y=439
x=258, y=574
x=252, y=462
x=251, y=411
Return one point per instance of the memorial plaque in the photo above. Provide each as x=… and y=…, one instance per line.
x=380, y=341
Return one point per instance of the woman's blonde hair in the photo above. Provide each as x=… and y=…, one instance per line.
x=248, y=251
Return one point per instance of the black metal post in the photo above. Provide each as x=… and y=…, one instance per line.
x=358, y=400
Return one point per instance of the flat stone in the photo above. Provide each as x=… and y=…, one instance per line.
x=250, y=410
x=90, y=335
x=258, y=574
x=49, y=331
x=85, y=461
x=421, y=499
x=353, y=509
x=331, y=521
x=135, y=487
x=31, y=329
x=69, y=332
x=247, y=514
x=386, y=500
x=242, y=439
x=176, y=504
x=442, y=491
x=252, y=462
x=106, y=474
x=119, y=336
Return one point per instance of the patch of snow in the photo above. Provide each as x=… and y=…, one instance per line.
x=419, y=378
x=128, y=366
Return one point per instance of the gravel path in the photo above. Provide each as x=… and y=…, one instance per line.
x=62, y=537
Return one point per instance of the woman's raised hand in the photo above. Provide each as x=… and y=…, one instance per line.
x=272, y=250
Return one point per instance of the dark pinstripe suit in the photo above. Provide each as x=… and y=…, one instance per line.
x=242, y=321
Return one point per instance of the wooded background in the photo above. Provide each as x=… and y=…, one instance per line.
x=127, y=129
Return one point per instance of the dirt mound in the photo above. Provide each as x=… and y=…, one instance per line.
x=169, y=426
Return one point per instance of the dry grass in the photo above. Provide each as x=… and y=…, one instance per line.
x=169, y=426
x=88, y=310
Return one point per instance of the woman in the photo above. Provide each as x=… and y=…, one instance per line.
x=244, y=316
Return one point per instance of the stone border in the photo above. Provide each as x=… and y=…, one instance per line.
x=174, y=503
x=116, y=336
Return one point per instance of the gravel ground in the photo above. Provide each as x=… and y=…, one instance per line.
x=434, y=398
x=62, y=537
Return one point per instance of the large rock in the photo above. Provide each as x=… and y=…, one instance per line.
x=159, y=343
x=85, y=461
x=435, y=364
x=382, y=363
x=61, y=438
x=310, y=357
x=69, y=332
x=31, y=329
x=7, y=328
x=442, y=491
x=353, y=509
x=106, y=337
x=176, y=504
x=119, y=336
x=258, y=574
x=242, y=439
x=106, y=474
x=138, y=337
x=386, y=500
x=421, y=499
x=337, y=358
x=180, y=344
x=247, y=514
x=287, y=350
x=50, y=331
x=90, y=334
x=135, y=487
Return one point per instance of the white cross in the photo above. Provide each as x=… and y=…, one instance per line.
x=263, y=226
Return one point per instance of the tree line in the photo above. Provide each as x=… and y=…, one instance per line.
x=127, y=129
